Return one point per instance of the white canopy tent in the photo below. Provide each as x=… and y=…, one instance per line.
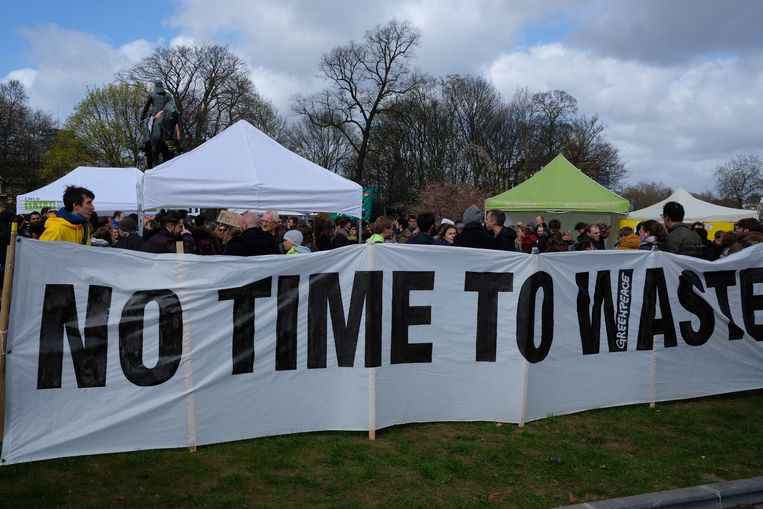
x=114, y=189
x=242, y=168
x=695, y=210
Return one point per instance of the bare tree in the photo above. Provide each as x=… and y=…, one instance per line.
x=211, y=87
x=366, y=78
x=587, y=149
x=448, y=199
x=741, y=180
x=25, y=134
x=554, y=115
x=481, y=126
x=711, y=197
x=644, y=194
x=325, y=147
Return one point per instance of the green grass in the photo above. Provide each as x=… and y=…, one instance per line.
x=557, y=461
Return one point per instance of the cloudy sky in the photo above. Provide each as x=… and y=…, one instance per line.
x=679, y=84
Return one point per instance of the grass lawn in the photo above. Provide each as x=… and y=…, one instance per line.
x=557, y=461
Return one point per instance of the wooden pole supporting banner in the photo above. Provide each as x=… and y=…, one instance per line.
x=653, y=402
x=523, y=405
x=5, y=313
x=190, y=402
x=371, y=250
x=372, y=403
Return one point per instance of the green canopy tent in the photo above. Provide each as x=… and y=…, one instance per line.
x=562, y=191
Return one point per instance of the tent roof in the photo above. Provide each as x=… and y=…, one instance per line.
x=243, y=168
x=559, y=186
x=695, y=210
x=114, y=189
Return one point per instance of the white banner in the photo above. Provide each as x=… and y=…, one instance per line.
x=113, y=350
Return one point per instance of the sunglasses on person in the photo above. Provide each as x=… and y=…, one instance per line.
x=222, y=229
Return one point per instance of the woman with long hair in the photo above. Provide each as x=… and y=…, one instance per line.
x=652, y=235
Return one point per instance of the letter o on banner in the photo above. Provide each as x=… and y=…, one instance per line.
x=526, y=317
x=170, y=337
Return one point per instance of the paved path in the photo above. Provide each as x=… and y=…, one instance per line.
x=742, y=494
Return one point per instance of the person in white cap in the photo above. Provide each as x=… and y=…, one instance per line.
x=292, y=241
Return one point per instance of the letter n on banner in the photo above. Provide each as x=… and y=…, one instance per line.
x=59, y=314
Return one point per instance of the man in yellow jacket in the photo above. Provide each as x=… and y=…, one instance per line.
x=70, y=224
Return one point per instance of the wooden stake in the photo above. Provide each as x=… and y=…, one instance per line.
x=5, y=313
x=190, y=403
x=372, y=403
x=523, y=404
x=654, y=377
x=371, y=250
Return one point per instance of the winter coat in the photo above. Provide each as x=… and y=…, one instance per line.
x=163, y=242
x=506, y=240
x=420, y=239
x=631, y=241
x=683, y=240
x=132, y=241
x=651, y=242
x=341, y=239
x=58, y=228
x=473, y=235
x=252, y=242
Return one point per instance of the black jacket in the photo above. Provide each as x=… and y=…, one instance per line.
x=474, y=235
x=421, y=239
x=132, y=241
x=163, y=242
x=253, y=242
x=340, y=239
x=506, y=239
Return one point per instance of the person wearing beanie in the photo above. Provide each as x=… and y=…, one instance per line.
x=129, y=238
x=473, y=234
x=292, y=239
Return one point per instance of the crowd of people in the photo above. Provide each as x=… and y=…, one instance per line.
x=672, y=234
x=268, y=233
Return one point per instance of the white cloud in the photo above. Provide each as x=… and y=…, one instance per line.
x=671, y=124
x=676, y=103
x=183, y=40
x=136, y=50
x=67, y=63
x=26, y=77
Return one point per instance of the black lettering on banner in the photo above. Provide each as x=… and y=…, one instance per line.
x=526, y=317
x=624, y=299
x=59, y=314
x=243, y=297
x=649, y=326
x=131, y=327
x=751, y=302
x=487, y=284
x=286, y=323
x=696, y=305
x=721, y=280
x=616, y=321
x=325, y=291
x=405, y=315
